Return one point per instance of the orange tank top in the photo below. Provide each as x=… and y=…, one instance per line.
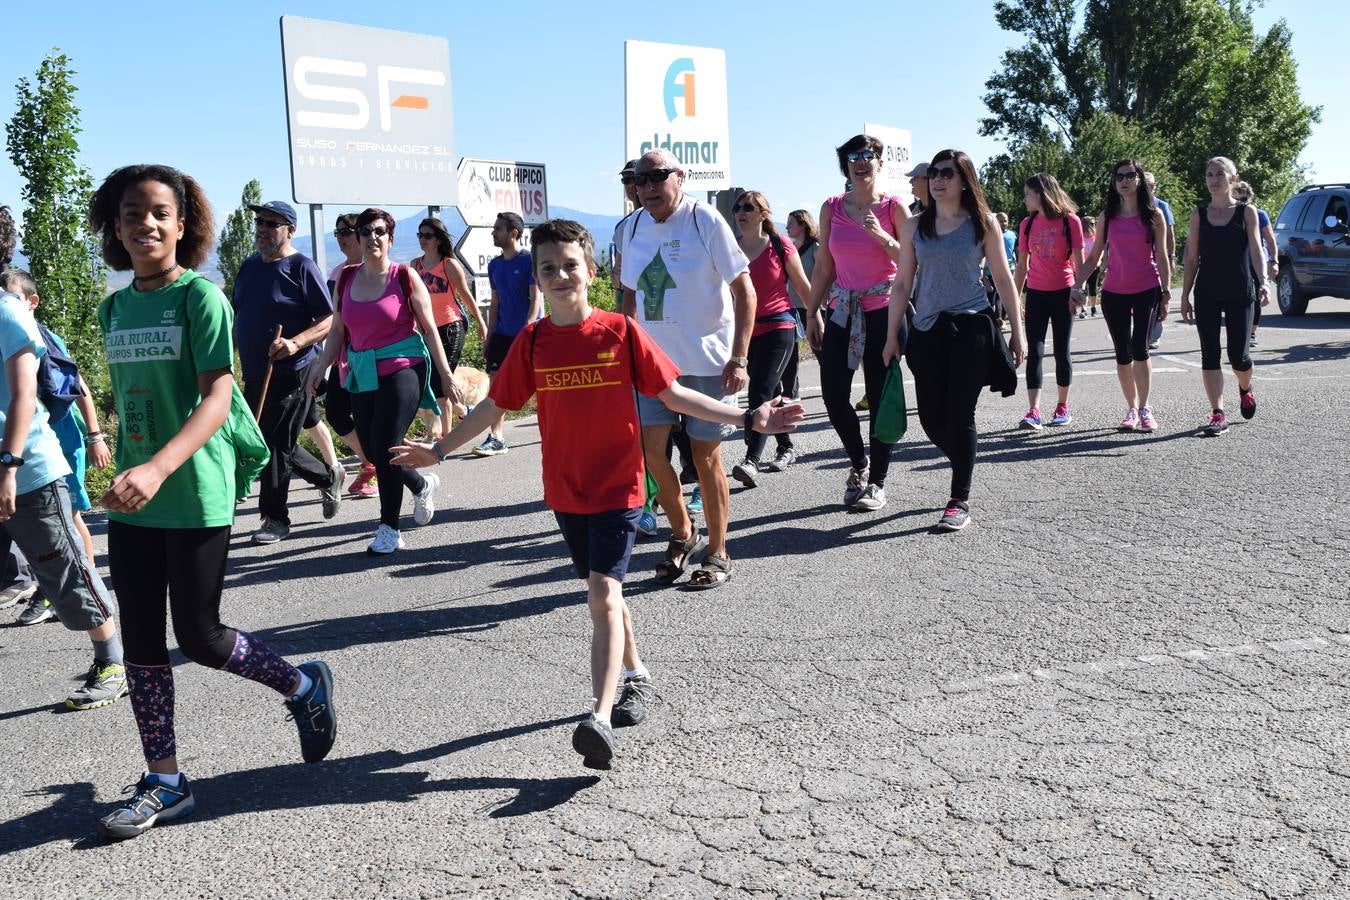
x=444, y=309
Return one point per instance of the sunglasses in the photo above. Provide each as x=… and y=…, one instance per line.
x=745, y=208
x=946, y=173
x=1127, y=176
x=427, y=235
x=344, y=231
x=866, y=155
x=268, y=223
x=655, y=176
x=366, y=231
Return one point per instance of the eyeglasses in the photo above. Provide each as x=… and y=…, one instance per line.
x=268, y=223
x=946, y=173
x=426, y=235
x=366, y=231
x=745, y=208
x=866, y=155
x=655, y=176
x=1127, y=176
x=344, y=231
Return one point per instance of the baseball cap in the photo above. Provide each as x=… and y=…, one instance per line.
x=919, y=171
x=277, y=208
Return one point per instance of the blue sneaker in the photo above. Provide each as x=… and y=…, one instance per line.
x=1062, y=415
x=152, y=801
x=313, y=712
x=695, y=504
x=646, y=523
x=1031, y=421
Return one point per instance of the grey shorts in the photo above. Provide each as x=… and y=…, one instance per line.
x=44, y=529
x=653, y=412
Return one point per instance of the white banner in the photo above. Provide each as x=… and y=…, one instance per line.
x=369, y=115
x=897, y=159
x=675, y=98
x=491, y=186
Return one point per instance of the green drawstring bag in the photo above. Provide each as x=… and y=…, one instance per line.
x=891, y=417
x=652, y=489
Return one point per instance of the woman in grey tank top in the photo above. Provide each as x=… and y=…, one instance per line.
x=951, y=342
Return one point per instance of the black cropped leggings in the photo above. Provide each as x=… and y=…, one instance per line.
x=769, y=355
x=1236, y=317
x=836, y=382
x=187, y=564
x=1048, y=308
x=950, y=362
x=1129, y=319
x=382, y=420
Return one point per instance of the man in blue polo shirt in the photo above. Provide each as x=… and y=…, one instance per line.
x=515, y=303
x=279, y=286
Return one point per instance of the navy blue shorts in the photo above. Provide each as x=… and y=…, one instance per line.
x=494, y=354
x=600, y=542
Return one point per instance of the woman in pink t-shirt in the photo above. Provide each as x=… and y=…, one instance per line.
x=1137, y=286
x=1049, y=250
x=846, y=312
x=774, y=264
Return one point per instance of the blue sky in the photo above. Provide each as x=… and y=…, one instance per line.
x=200, y=88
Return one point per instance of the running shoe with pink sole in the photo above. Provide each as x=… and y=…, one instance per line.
x=1146, y=421
x=1131, y=420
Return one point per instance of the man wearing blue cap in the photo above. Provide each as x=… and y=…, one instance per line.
x=279, y=286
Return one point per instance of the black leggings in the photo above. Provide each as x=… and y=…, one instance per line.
x=1236, y=316
x=189, y=565
x=382, y=419
x=452, y=341
x=950, y=362
x=836, y=382
x=769, y=355
x=1129, y=319
x=1048, y=308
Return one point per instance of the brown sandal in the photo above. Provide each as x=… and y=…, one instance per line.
x=714, y=572
x=669, y=569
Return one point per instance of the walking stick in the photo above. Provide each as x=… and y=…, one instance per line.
x=267, y=379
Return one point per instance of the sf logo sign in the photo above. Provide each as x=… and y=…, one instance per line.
x=679, y=82
x=354, y=97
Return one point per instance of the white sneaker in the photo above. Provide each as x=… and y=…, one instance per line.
x=386, y=541
x=424, y=504
x=872, y=497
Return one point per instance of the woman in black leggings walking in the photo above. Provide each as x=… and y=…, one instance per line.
x=950, y=343
x=1223, y=250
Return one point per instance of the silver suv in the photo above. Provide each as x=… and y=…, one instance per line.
x=1311, y=238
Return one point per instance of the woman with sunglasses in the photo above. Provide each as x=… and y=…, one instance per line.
x=1049, y=250
x=1223, y=253
x=1137, y=286
x=774, y=265
x=951, y=345
x=855, y=267
x=449, y=289
x=380, y=313
x=337, y=403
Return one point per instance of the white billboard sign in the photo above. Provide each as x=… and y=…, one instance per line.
x=675, y=98
x=491, y=186
x=369, y=115
x=476, y=250
x=898, y=159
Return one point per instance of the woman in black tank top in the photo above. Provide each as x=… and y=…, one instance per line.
x=1222, y=250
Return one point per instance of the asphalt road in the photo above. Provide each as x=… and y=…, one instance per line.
x=1128, y=678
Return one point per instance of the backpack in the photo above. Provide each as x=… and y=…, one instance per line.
x=58, y=378
x=1025, y=232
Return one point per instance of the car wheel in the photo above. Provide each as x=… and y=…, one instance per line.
x=1292, y=300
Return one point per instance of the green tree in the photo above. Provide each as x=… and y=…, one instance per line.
x=63, y=256
x=1193, y=72
x=236, y=238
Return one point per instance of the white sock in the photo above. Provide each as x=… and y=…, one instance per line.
x=639, y=672
x=305, y=684
x=174, y=781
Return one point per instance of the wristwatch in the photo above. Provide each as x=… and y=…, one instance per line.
x=741, y=361
x=9, y=459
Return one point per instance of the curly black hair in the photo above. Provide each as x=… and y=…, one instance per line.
x=9, y=237
x=199, y=227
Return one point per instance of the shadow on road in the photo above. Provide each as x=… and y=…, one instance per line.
x=347, y=781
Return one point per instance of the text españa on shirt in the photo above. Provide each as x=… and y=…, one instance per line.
x=586, y=375
x=141, y=344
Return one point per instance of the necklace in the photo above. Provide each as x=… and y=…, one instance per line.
x=145, y=278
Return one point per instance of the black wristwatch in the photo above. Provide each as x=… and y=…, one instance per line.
x=749, y=420
x=9, y=459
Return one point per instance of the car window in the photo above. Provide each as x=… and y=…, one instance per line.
x=1289, y=215
x=1337, y=208
x=1311, y=220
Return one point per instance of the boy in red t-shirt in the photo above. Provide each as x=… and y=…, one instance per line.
x=584, y=365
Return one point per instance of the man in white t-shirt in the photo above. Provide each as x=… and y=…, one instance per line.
x=687, y=283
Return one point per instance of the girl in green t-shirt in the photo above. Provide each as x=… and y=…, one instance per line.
x=170, y=508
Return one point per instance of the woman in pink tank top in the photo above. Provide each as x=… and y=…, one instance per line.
x=379, y=310
x=846, y=312
x=1137, y=287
